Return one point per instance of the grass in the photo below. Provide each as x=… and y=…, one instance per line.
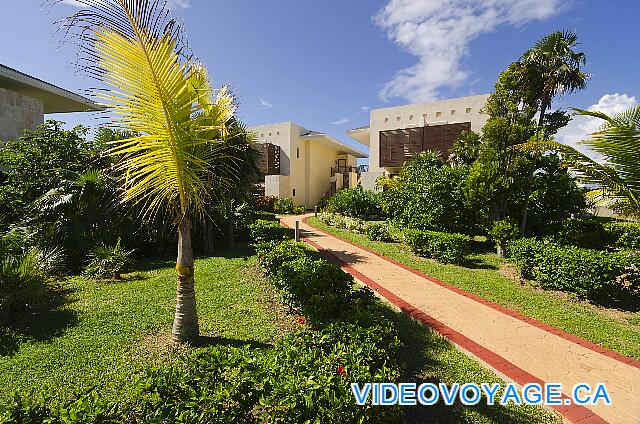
x=108, y=332
x=616, y=330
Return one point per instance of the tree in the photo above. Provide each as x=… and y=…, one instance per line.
x=551, y=68
x=158, y=92
x=618, y=141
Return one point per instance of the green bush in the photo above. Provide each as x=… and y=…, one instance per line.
x=356, y=225
x=320, y=289
x=287, y=206
x=378, y=231
x=525, y=254
x=263, y=230
x=587, y=273
x=429, y=195
x=266, y=203
x=503, y=232
x=444, y=247
x=355, y=202
x=108, y=261
x=586, y=233
x=27, y=280
x=272, y=254
x=624, y=235
x=226, y=384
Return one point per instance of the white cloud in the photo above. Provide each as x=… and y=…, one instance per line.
x=341, y=121
x=438, y=32
x=580, y=127
x=265, y=104
x=365, y=109
x=172, y=4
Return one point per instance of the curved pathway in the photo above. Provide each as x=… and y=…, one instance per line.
x=518, y=348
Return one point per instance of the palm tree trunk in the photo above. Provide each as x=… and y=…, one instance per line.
x=185, y=323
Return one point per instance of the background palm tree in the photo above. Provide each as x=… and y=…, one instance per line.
x=618, y=141
x=551, y=67
x=162, y=96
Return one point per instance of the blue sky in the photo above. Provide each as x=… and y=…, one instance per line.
x=324, y=64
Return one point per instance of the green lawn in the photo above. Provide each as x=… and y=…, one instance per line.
x=616, y=330
x=108, y=332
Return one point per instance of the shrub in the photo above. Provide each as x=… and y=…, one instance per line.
x=287, y=206
x=378, y=231
x=26, y=280
x=587, y=273
x=355, y=202
x=624, y=235
x=525, y=253
x=272, y=254
x=503, y=232
x=444, y=247
x=333, y=219
x=320, y=289
x=263, y=230
x=354, y=224
x=429, y=195
x=266, y=203
x=586, y=233
x=108, y=261
x=231, y=384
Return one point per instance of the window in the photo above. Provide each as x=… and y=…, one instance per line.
x=453, y=111
x=269, y=134
x=438, y=114
x=298, y=152
x=424, y=117
x=398, y=119
x=277, y=132
x=468, y=110
x=262, y=135
x=294, y=191
x=410, y=117
x=386, y=119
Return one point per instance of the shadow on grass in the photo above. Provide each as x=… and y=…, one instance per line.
x=38, y=324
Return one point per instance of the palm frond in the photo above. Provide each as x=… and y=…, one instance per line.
x=157, y=93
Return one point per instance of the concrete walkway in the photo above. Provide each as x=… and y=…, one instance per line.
x=518, y=348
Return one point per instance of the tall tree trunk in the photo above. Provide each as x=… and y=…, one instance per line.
x=527, y=193
x=230, y=225
x=185, y=323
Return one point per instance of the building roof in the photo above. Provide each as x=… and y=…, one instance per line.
x=54, y=98
x=362, y=134
x=327, y=140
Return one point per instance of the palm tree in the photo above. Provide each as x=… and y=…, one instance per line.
x=618, y=141
x=466, y=149
x=550, y=68
x=163, y=97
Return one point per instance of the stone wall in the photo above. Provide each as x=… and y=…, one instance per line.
x=17, y=113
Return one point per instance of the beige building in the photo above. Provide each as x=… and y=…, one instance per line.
x=304, y=165
x=395, y=134
x=24, y=100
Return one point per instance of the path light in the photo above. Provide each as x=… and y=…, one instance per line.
x=315, y=210
x=297, y=231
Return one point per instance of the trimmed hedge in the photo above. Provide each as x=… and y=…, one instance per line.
x=587, y=273
x=624, y=235
x=444, y=247
x=263, y=230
